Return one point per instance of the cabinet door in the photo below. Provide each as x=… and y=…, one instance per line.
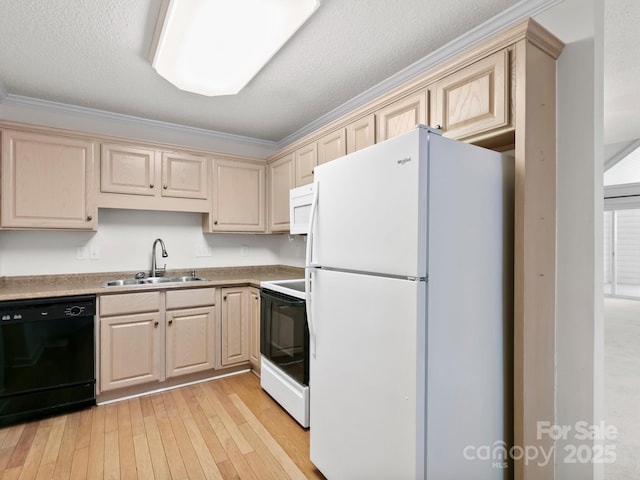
x=254, y=328
x=128, y=169
x=235, y=326
x=129, y=350
x=48, y=181
x=305, y=160
x=361, y=133
x=474, y=100
x=401, y=116
x=281, y=180
x=190, y=340
x=238, y=197
x=184, y=176
x=332, y=146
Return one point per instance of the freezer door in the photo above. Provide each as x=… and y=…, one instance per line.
x=366, y=404
x=371, y=211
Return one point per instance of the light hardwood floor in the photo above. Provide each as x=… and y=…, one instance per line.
x=227, y=428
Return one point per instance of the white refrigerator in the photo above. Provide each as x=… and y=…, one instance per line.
x=409, y=297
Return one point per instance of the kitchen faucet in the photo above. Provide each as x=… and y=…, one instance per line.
x=155, y=271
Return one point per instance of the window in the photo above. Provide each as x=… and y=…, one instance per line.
x=622, y=252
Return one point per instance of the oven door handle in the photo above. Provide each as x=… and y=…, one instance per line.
x=280, y=299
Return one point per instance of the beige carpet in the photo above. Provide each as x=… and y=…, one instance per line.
x=622, y=385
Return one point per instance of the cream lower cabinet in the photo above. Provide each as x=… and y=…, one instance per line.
x=234, y=322
x=48, y=181
x=150, y=336
x=254, y=328
x=238, y=197
x=130, y=339
x=190, y=323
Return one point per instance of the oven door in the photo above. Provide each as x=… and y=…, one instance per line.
x=284, y=334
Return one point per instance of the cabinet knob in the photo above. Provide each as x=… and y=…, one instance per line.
x=165, y=187
x=439, y=127
x=215, y=222
x=89, y=218
x=224, y=298
x=170, y=321
x=151, y=185
x=156, y=323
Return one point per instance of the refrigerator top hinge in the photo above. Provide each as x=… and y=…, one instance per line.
x=429, y=129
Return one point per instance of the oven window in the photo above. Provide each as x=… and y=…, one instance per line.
x=285, y=335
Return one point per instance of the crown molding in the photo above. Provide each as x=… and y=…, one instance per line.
x=83, y=115
x=508, y=18
x=263, y=148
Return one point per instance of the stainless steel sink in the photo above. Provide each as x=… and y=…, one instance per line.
x=123, y=282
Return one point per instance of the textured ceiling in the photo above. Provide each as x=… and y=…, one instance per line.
x=94, y=53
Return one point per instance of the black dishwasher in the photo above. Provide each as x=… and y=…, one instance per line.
x=47, y=350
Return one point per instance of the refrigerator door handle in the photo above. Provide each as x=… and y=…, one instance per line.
x=309, y=295
x=311, y=233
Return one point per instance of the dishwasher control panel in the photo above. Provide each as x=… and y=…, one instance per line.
x=47, y=308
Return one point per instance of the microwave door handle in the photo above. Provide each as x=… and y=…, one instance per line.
x=311, y=229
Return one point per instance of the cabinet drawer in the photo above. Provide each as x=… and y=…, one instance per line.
x=192, y=297
x=129, y=303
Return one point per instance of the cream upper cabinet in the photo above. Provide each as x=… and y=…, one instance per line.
x=475, y=99
x=238, y=197
x=144, y=178
x=129, y=170
x=254, y=328
x=280, y=175
x=234, y=321
x=361, y=133
x=332, y=146
x=48, y=181
x=305, y=160
x=401, y=116
x=184, y=175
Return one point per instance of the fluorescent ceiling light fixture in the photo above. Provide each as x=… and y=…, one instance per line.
x=215, y=47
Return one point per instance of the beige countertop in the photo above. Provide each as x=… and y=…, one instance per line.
x=42, y=286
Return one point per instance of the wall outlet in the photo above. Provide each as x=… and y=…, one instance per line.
x=244, y=251
x=94, y=252
x=203, y=251
x=82, y=253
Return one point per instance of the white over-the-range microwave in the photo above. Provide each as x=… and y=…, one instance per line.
x=300, y=200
